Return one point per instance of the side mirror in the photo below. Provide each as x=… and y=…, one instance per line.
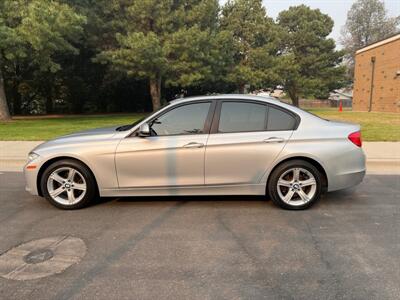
x=144, y=130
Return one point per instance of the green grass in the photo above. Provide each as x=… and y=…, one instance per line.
x=37, y=129
x=375, y=126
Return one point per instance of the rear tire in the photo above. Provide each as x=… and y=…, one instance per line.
x=295, y=185
x=68, y=184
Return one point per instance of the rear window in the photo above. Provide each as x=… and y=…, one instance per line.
x=280, y=120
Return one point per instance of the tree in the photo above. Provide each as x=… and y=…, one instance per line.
x=4, y=111
x=367, y=22
x=308, y=63
x=255, y=41
x=168, y=42
x=32, y=33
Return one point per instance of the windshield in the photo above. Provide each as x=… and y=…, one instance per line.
x=303, y=109
x=130, y=126
x=315, y=115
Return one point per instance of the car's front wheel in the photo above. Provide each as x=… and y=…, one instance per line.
x=295, y=185
x=68, y=184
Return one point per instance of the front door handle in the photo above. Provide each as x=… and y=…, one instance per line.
x=193, y=145
x=274, y=140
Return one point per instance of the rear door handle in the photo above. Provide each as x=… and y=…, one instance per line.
x=274, y=140
x=193, y=145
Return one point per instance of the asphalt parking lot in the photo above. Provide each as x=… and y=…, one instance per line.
x=345, y=247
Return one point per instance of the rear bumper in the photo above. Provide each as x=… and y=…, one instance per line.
x=346, y=169
x=344, y=181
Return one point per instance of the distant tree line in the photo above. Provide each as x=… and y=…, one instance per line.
x=74, y=56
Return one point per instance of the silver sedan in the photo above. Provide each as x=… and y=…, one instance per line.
x=211, y=145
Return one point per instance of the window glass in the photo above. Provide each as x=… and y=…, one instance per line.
x=187, y=119
x=242, y=116
x=280, y=120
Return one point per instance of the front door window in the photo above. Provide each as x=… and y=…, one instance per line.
x=185, y=119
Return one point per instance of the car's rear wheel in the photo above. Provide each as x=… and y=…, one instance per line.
x=295, y=185
x=68, y=184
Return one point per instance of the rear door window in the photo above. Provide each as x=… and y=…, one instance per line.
x=242, y=117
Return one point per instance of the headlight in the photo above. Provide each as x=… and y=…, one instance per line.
x=32, y=156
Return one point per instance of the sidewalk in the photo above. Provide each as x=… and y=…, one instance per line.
x=382, y=157
x=13, y=154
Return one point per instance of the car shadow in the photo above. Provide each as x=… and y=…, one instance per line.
x=367, y=192
x=176, y=198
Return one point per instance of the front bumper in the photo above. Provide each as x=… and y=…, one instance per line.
x=31, y=177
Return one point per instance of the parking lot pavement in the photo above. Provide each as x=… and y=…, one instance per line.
x=346, y=247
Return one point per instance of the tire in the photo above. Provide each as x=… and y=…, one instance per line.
x=295, y=185
x=68, y=184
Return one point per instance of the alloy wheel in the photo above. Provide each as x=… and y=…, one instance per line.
x=296, y=186
x=66, y=186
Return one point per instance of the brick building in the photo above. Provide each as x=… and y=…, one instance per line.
x=377, y=76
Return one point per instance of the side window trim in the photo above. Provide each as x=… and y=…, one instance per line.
x=207, y=123
x=217, y=115
x=266, y=118
x=215, y=120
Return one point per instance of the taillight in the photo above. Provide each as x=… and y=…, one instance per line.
x=355, y=138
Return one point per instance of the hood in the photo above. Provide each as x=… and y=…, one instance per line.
x=91, y=133
x=79, y=137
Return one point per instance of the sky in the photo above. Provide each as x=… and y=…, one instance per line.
x=336, y=9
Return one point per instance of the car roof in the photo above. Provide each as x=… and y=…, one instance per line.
x=226, y=96
x=266, y=99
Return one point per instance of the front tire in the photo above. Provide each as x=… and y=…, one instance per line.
x=295, y=185
x=68, y=184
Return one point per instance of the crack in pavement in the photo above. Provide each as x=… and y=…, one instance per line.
x=266, y=284
x=338, y=287
x=87, y=277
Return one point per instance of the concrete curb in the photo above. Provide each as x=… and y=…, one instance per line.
x=381, y=156
x=383, y=167
x=374, y=166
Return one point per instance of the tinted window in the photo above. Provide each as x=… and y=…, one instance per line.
x=187, y=119
x=280, y=120
x=237, y=116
